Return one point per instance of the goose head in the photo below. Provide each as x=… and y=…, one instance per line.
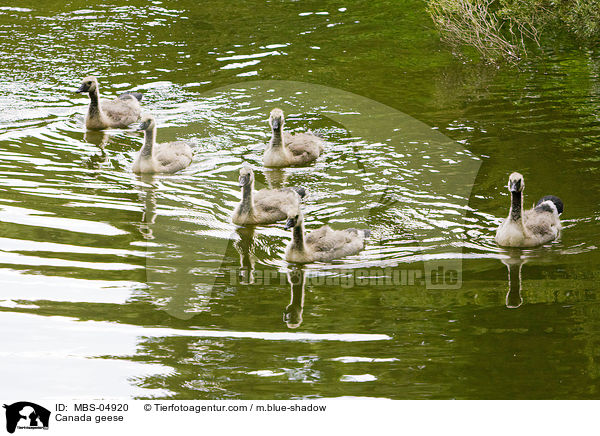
x=276, y=119
x=516, y=183
x=294, y=220
x=147, y=122
x=246, y=176
x=88, y=84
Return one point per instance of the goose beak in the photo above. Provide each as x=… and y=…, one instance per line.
x=289, y=224
x=82, y=88
x=275, y=123
x=243, y=180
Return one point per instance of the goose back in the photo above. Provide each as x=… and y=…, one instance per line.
x=328, y=244
x=120, y=112
x=305, y=147
x=172, y=156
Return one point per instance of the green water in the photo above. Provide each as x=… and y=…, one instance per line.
x=114, y=285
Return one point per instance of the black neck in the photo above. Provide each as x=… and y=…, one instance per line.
x=247, y=198
x=277, y=138
x=516, y=205
x=149, y=138
x=94, y=106
x=298, y=236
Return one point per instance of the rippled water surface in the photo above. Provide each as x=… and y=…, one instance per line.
x=115, y=285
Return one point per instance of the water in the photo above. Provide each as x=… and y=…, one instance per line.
x=115, y=285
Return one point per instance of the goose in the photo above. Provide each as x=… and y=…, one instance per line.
x=266, y=206
x=284, y=149
x=532, y=227
x=118, y=113
x=323, y=244
x=167, y=157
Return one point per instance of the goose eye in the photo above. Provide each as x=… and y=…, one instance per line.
x=90, y=82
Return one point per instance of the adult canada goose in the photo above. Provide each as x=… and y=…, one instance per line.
x=117, y=113
x=266, y=206
x=323, y=244
x=531, y=227
x=284, y=149
x=167, y=157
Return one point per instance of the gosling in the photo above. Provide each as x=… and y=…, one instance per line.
x=284, y=149
x=118, y=113
x=167, y=157
x=266, y=206
x=532, y=227
x=323, y=244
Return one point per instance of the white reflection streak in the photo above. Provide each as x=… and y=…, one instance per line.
x=106, y=328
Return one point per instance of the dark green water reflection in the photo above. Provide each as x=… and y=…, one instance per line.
x=140, y=287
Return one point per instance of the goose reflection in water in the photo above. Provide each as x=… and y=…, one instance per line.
x=276, y=178
x=292, y=315
x=99, y=139
x=245, y=247
x=148, y=196
x=179, y=277
x=513, y=296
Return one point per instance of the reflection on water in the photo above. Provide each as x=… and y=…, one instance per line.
x=276, y=178
x=244, y=246
x=513, y=296
x=100, y=139
x=148, y=199
x=292, y=315
x=150, y=281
